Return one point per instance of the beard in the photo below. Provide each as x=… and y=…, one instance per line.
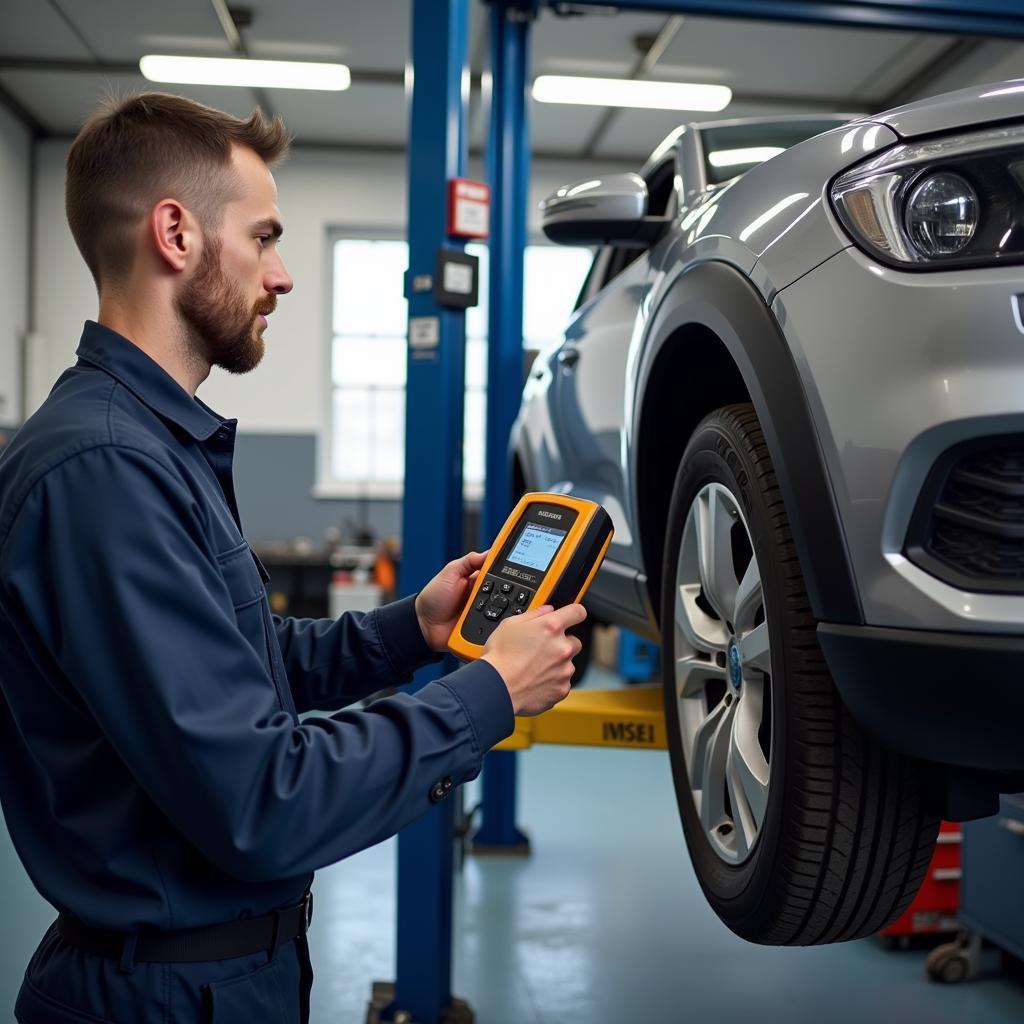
x=219, y=324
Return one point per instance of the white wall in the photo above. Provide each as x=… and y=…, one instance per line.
x=15, y=181
x=318, y=190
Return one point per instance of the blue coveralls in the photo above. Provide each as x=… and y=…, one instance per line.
x=153, y=771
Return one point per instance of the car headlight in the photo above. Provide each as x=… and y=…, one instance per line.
x=945, y=203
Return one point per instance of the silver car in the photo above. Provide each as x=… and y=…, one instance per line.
x=795, y=379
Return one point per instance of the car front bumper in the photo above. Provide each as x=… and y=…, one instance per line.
x=897, y=369
x=951, y=698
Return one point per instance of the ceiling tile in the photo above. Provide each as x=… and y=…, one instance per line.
x=34, y=28
x=61, y=102
x=364, y=114
x=776, y=58
x=592, y=44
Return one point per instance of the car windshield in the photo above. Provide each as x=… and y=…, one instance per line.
x=733, y=149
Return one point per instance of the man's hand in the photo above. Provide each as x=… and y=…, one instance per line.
x=534, y=656
x=440, y=602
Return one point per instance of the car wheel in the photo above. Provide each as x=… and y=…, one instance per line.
x=801, y=828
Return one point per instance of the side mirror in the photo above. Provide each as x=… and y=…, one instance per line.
x=607, y=210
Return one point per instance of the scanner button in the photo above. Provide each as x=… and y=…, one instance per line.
x=487, y=586
x=499, y=602
x=506, y=588
x=518, y=611
x=493, y=614
x=481, y=604
x=522, y=596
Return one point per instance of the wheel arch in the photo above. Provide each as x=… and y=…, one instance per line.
x=713, y=313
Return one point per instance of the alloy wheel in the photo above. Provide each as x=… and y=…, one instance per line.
x=723, y=673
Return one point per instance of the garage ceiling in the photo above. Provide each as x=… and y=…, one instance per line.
x=58, y=56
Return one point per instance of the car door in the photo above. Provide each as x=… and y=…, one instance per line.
x=592, y=397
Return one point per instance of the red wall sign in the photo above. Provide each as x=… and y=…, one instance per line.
x=469, y=208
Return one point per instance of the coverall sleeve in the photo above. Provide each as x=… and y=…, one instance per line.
x=333, y=662
x=133, y=605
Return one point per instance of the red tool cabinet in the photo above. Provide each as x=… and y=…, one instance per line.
x=934, y=909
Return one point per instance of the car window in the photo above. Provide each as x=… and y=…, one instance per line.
x=661, y=201
x=592, y=283
x=733, y=149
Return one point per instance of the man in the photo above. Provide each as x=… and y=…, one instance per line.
x=154, y=776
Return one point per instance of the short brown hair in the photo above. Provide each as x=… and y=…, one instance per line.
x=134, y=151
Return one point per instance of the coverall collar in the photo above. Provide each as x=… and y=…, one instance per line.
x=155, y=387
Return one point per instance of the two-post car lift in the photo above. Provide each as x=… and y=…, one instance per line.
x=432, y=515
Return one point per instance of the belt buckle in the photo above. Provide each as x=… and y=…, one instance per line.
x=307, y=912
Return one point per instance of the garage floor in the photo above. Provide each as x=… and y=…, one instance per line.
x=604, y=924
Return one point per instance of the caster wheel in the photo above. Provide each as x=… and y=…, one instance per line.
x=948, y=964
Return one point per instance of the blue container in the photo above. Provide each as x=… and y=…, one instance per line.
x=638, y=658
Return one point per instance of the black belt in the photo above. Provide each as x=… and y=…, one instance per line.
x=193, y=945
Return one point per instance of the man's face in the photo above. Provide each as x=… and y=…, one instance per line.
x=224, y=305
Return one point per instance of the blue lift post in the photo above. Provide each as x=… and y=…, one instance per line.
x=431, y=529
x=508, y=162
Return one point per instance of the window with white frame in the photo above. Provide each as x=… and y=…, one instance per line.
x=365, y=444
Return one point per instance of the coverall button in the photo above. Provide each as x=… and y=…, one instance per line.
x=438, y=792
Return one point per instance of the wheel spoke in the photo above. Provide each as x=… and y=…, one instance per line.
x=755, y=650
x=747, y=775
x=749, y=598
x=701, y=631
x=715, y=520
x=693, y=674
x=707, y=774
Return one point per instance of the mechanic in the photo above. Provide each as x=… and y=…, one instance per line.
x=156, y=781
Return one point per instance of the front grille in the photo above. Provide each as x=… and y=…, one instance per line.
x=969, y=525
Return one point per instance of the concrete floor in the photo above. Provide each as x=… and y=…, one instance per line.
x=603, y=924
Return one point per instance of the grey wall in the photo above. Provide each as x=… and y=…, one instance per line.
x=274, y=477
x=15, y=215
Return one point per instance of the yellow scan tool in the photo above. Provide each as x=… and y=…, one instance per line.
x=548, y=552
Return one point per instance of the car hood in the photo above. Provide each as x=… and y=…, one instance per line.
x=964, y=109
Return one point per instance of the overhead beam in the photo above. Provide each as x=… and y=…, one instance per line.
x=238, y=47
x=643, y=67
x=1001, y=18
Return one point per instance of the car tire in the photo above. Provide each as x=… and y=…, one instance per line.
x=801, y=828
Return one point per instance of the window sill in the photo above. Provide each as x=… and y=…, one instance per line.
x=336, y=490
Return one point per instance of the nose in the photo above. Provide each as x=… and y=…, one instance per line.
x=277, y=279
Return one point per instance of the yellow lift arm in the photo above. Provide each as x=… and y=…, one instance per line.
x=633, y=717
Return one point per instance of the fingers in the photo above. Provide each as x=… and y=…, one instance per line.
x=569, y=616
x=534, y=613
x=469, y=562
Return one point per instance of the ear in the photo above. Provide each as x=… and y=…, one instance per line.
x=172, y=229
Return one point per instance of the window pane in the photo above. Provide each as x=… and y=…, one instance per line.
x=369, y=292
x=473, y=445
x=350, y=451
x=553, y=276
x=362, y=362
x=388, y=435
x=476, y=363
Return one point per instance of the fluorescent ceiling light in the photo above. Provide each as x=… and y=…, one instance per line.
x=735, y=157
x=624, y=92
x=268, y=74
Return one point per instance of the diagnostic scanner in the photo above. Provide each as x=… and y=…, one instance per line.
x=548, y=552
